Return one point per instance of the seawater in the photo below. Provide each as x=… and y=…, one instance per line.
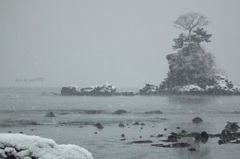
x=75, y=116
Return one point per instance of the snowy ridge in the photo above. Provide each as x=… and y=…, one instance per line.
x=27, y=147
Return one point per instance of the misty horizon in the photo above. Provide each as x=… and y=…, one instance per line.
x=87, y=43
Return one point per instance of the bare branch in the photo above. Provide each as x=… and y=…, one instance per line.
x=190, y=21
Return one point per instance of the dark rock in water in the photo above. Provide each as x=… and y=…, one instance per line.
x=157, y=145
x=197, y=120
x=177, y=127
x=204, y=137
x=233, y=127
x=140, y=136
x=136, y=123
x=154, y=112
x=121, y=125
x=50, y=114
x=122, y=135
x=174, y=134
x=165, y=129
x=99, y=126
x=169, y=140
x=181, y=145
x=183, y=131
x=120, y=112
x=225, y=136
x=191, y=149
x=197, y=137
x=92, y=111
x=172, y=137
x=95, y=132
x=142, y=142
x=142, y=124
x=167, y=146
x=220, y=142
x=20, y=132
x=123, y=139
x=176, y=145
x=160, y=135
x=9, y=132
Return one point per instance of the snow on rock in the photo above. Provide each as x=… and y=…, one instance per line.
x=188, y=89
x=149, y=89
x=31, y=147
x=222, y=86
x=105, y=89
x=219, y=85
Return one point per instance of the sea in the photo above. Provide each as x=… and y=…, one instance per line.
x=24, y=110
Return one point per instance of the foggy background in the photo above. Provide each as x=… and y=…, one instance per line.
x=122, y=42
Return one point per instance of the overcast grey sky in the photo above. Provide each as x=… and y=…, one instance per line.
x=121, y=42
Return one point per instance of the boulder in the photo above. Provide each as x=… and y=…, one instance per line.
x=120, y=112
x=121, y=125
x=233, y=127
x=197, y=120
x=154, y=112
x=204, y=137
x=136, y=123
x=99, y=126
x=50, y=114
x=225, y=137
x=19, y=146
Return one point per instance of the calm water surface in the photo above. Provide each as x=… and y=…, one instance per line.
x=22, y=108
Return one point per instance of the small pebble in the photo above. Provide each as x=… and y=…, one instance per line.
x=122, y=135
x=165, y=129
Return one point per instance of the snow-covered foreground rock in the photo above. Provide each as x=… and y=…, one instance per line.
x=33, y=147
